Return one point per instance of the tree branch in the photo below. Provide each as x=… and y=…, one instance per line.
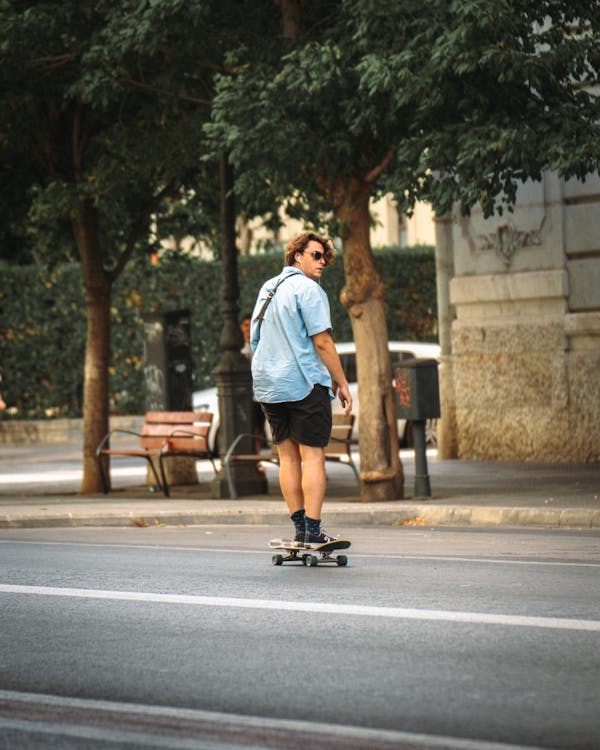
x=77, y=139
x=163, y=92
x=290, y=12
x=376, y=171
x=137, y=228
x=55, y=61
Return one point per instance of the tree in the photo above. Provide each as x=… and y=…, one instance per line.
x=441, y=101
x=102, y=111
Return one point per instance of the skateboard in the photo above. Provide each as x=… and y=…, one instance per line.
x=312, y=556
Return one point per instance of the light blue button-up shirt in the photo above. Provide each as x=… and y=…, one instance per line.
x=285, y=365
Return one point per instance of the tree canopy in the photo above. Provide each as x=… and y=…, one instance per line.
x=89, y=100
x=461, y=100
x=101, y=134
x=441, y=101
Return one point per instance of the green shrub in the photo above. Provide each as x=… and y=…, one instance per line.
x=42, y=334
x=42, y=320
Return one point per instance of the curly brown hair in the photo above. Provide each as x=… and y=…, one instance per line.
x=298, y=245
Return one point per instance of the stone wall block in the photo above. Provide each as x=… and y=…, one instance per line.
x=582, y=433
x=512, y=391
x=526, y=338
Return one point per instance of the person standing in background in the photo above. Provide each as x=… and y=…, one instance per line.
x=257, y=416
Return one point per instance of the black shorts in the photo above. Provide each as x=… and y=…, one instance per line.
x=307, y=422
x=258, y=418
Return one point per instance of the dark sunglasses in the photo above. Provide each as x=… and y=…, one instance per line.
x=317, y=255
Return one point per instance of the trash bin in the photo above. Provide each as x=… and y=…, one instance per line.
x=418, y=399
x=417, y=390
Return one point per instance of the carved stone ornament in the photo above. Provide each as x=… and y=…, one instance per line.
x=507, y=239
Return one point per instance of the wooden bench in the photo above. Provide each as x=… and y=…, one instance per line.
x=164, y=434
x=338, y=449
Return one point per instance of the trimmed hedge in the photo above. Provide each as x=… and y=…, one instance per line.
x=42, y=321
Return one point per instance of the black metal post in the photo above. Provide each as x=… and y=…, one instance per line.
x=232, y=374
x=422, y=485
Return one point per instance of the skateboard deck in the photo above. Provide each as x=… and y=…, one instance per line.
x=310, y=556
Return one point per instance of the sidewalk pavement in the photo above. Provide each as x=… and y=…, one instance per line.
x=39, y=488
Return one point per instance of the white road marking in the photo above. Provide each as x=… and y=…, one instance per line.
x=53, y=475
x=266, y=550
x=356, y=610
x=153, y=547
x=490, y=560
x=311, y=731
x=116, y=737
x=48, y=476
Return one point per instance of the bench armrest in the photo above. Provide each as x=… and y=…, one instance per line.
x=108, y=435
x=237, y=440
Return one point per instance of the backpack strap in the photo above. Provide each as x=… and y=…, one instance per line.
x=261, y=315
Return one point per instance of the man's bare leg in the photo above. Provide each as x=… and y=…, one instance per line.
x=302, y=477
x=314, y=481
x=290, y=475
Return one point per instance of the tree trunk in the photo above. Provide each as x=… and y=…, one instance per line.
x=381, y=472
x=95, y=387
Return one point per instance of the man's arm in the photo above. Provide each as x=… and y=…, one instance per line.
x=325, y=348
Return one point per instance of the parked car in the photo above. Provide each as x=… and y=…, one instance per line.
x=399, y=351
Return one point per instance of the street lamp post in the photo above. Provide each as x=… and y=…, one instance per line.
x=232, y=373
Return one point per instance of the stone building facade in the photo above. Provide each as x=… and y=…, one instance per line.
x=519, y=298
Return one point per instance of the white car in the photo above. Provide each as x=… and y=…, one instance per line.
x=207, y=400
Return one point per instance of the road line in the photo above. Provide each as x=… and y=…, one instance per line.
x=355, y=610
x=266, y=551
x=79, y=713
x=53, y=475
x=490, y=560
x=115, y=737
x=153, y=547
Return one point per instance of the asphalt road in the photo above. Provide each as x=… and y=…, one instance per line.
x=188, y=638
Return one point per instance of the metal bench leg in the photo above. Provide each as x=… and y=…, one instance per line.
x=103, y=477
x=159, y=484
x=164, y=485
x=354, y=469
x=226, y=462
x=230, y=483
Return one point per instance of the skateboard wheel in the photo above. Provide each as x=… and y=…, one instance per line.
x=312, y=560
x=277, y=559
x=342, y=560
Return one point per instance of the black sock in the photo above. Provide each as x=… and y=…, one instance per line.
x=298, y=519
x=313, y=525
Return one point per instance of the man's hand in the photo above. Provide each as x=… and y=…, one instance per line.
x=325, y=348
x=345, y=398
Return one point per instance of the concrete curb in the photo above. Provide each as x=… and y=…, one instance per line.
x=467, y=515
x=413, y=514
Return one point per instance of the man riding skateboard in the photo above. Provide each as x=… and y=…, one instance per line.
x=296, y=372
